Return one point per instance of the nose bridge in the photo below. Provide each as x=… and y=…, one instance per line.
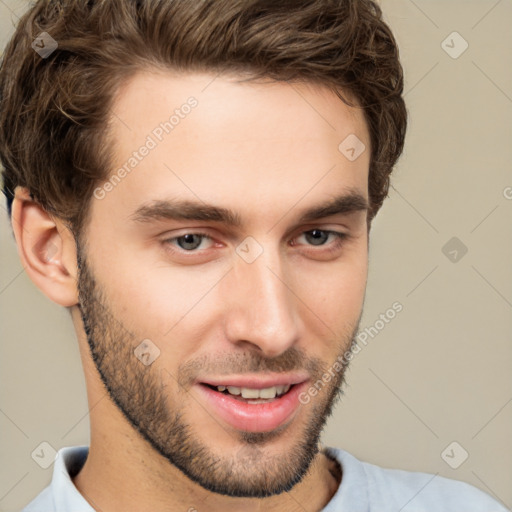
x=262, y=309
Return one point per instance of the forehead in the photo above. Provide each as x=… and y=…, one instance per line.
x=219, y=140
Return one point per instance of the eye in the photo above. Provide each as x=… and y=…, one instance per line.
x=194, y=243
x=189, y=242
x=319, y=237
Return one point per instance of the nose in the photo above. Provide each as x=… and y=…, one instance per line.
x=262, y=308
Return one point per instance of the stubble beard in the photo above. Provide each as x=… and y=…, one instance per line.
x=142, y=395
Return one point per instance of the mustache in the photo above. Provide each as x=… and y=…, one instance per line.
x=240, y=363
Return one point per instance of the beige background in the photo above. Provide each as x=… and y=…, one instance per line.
x=440, y=370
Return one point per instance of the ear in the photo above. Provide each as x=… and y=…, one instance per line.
x=46, y=248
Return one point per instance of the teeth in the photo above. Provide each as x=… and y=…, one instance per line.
x=268, y=393
x=251, y=393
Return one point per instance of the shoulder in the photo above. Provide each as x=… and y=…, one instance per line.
x=410, y=491
x=42, y=503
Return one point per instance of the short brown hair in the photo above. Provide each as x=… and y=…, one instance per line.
x=54, y=111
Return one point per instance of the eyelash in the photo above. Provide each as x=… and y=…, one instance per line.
x=327, y=248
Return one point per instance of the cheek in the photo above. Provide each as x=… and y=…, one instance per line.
x=169, y=306
x=334, y=294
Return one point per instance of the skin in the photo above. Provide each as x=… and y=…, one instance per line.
x=267, y=151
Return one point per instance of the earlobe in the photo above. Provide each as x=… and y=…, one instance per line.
x=46, y=248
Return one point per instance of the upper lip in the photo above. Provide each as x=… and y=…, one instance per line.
x=256, y=381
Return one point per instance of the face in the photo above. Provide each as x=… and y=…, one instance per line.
x=224, y=271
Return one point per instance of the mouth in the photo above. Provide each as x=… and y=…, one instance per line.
x=253, y=405
x=253, y=395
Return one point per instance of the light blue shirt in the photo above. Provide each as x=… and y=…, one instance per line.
x=364, y=488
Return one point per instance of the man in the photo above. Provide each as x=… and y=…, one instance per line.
x=195, y=181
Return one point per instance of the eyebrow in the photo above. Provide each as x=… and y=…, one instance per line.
x=176, y=209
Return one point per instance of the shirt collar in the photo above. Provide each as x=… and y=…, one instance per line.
x=68, y=463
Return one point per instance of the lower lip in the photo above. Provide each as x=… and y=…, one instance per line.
x=253, y=417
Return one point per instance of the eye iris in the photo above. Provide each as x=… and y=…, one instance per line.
x=190, y=241
x=317, y=236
